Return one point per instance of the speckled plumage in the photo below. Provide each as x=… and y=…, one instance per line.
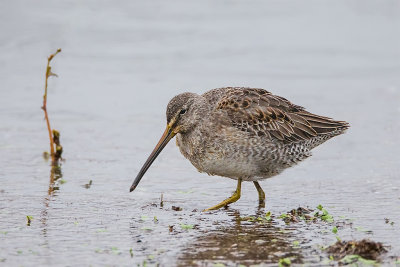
x=248, y=133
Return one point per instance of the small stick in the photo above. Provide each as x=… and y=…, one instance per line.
x=44, y=107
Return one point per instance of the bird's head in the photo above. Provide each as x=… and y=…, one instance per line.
x=184, y=111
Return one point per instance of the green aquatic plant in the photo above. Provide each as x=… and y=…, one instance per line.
x=131, y=252
x=362, y=229
x=284, y=262
x=283, y=216
x=350, y=259
x=29, y=220
x=186, y=226
x=323, y=214
x=260, y=219
x=115, y=250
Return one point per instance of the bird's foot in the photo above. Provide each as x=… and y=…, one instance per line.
x=226, y=202
x=229, y=200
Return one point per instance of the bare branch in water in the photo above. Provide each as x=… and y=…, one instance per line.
x=55, y=149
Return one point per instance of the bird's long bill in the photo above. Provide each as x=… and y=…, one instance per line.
x=167, y=135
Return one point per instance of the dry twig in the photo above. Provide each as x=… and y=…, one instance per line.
x=53, y=147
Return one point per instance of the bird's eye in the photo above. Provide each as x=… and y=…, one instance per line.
x=183, y=111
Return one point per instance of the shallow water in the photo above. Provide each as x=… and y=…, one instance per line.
x=119, y=67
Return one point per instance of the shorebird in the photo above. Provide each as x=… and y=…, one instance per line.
x=246, y=134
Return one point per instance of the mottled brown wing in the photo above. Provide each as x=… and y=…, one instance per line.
x=261, y=113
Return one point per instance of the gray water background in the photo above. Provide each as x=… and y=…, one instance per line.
x=121, y=64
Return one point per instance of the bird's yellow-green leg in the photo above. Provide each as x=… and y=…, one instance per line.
x=261, y=194
x=229, y=200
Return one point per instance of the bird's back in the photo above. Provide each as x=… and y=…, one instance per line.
x=260, y=113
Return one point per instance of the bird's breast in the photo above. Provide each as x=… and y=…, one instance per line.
x=191, y=147
x=216, y=155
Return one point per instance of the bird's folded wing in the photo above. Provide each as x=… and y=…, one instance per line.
x=261, y=113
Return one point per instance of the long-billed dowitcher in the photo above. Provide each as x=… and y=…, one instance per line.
x=246, y=134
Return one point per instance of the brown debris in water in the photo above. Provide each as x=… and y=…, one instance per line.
x=307, y=215
x=162, y=200
x=176, y=208
x=88, y=185
x=296, y=215
x=57, y=143
x=365, y=248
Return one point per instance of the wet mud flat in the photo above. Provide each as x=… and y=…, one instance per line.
x=81, y=214
x=171, y=232
x=298, y=237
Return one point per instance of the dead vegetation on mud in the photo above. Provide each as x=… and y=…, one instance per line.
x=351, y=251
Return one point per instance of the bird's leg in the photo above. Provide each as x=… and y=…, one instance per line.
x=261, y=194
x=229, y=200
